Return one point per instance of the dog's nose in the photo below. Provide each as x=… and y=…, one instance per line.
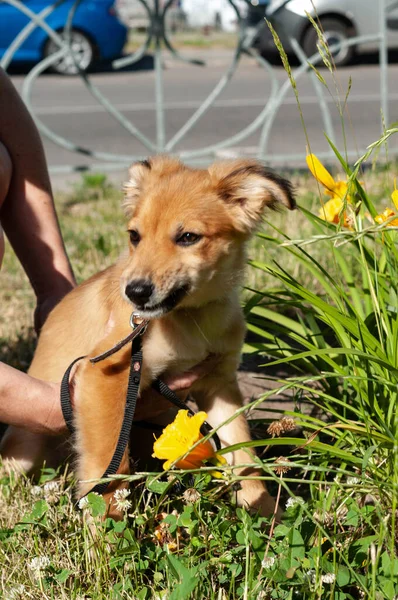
x=139, y=291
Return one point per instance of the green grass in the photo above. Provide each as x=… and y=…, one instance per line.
x=167, y=548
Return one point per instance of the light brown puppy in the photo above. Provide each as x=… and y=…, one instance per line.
x=188, y=230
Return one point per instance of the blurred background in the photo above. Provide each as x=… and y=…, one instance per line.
x=110, y=81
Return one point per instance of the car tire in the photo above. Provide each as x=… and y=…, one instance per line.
x=83, y=49
x=334, y=31
x=265, y=48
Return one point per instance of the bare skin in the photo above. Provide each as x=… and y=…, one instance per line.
x=34, y=404
x=27, y=212
x=28, y=218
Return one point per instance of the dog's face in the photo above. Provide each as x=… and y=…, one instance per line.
x=188, y=229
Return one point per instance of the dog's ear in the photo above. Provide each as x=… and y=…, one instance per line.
x=133, y=187
x=247, y=187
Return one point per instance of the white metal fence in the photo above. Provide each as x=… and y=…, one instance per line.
x=158, y=38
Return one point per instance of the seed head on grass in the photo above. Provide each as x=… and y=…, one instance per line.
x=83, y=502
x=51, y=487
x=36, y=491
x=268, y=562
x=276, y=428
x=52, y=490
x=282, y=465
x=190, y=496
x=322, y=45
x=326, y=578
x=16, y=592
x=284, y=58
x=353, y=481
x=325, y=518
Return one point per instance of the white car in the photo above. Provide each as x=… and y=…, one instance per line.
x=340, y=20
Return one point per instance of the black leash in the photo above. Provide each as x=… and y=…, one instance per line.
x=131, y=399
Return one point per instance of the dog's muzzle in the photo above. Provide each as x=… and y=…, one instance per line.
x=139, y=291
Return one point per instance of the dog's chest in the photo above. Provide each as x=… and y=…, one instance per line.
x=177, y=344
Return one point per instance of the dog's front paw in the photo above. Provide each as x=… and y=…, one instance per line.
x=254, y=496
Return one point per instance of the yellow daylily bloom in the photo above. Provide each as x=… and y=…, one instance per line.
x=333, y=188
x=385, y=215
x=394, y=195
x=177, y=439
x=330, y=211
x=388, y=212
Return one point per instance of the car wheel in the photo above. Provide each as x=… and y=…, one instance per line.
x=334, y=31
x=83, y=54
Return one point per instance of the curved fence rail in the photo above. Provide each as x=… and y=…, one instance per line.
x=158, y=42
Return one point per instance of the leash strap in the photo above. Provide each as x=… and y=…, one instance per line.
x=137, y=331
x=66, y=404
x=129, y=410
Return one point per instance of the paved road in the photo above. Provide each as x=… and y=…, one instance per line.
x=68, y=108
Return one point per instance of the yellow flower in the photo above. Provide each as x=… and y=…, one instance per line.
x=333, y=188
x=177, y=439
x=385, y=215
x=331, y=209
x=394, y=195
x=388, y=212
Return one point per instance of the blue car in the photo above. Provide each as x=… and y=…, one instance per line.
x=96, y=33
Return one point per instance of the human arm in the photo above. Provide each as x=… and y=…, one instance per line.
x=29, y=403
x=35, y=405
x=27, y=214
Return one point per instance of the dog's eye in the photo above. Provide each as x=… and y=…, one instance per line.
x=188, y=239
x=134, y=237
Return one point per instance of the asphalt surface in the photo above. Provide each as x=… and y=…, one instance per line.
x=67, y=107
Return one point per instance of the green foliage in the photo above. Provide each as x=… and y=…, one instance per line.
x=339, y=338
x=93, y=180
x=171, y=549
x=165, y=548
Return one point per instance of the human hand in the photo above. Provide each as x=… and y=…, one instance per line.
x=152, y=404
